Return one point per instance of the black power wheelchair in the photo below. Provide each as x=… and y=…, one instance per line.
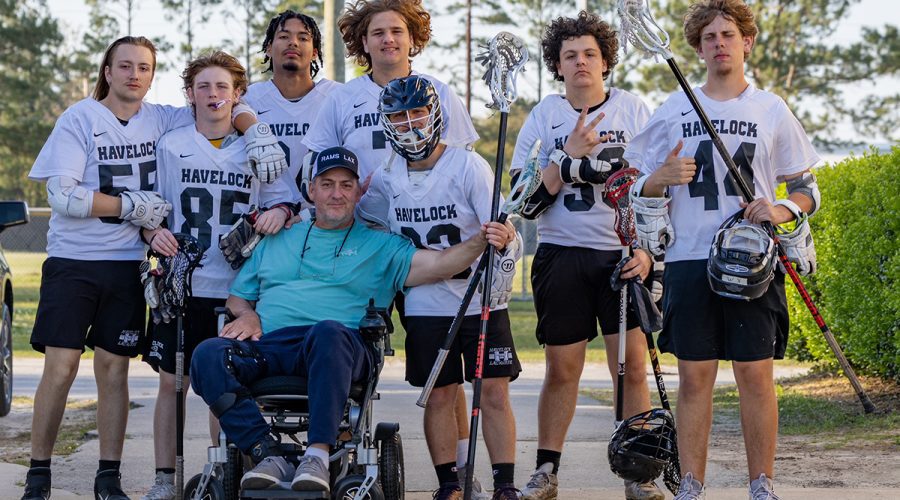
x=366, y=461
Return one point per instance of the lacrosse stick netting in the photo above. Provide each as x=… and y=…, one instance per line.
x=503, y=58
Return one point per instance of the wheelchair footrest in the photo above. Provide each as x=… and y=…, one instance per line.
x=285, y=492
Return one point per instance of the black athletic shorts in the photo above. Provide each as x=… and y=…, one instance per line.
x=90, y=303
x=700, y=325
x=572, y=294
x=425, y=334
x=200, y=323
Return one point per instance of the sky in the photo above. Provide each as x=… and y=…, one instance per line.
x=150, y=21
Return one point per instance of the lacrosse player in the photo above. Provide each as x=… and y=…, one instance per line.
x=383, y=36
x=99, y=164
x=583, y=134
x=202, y=168
x=290, y=101
x=437, y=196
x=685, y=172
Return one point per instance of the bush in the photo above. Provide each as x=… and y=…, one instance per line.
x=857, y=285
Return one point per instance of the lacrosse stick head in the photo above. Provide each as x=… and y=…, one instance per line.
x=741, y=260
x=179, y=268
x=616, y=196
x=640, y=29
x=503, y=58
x=642, y=446
x=526, y=184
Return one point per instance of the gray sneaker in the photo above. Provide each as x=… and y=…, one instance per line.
x=643, y=491
x=268, y=473
x=543, y=484
x=478, y=492
x=762, y=488
x=163, y=488
x=690, y=489
x=312, y=475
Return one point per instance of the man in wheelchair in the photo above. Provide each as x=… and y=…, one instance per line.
x=297, y=303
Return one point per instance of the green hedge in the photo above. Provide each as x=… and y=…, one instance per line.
x=857, y=285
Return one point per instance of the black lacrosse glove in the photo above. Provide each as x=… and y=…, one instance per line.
x=640, y=300
x=238, y=243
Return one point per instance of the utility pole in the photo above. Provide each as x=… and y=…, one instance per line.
x=334, y=45
x=469, y=56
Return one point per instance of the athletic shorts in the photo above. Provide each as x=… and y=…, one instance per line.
x=200, y=323
x=426, y=334
x=90, y=303
x=572, y=294
x=700, y=325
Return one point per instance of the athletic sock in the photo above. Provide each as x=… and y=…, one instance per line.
x=504, y=475
x=548, y=457
x=446, y=473
x=108, y=467
x=322, y=455
x=462, y=452
x=42, y=466
x=166, y=470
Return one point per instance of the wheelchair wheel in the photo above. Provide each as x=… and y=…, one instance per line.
x=346, y=489
x=390, y=468
x=232, y=470
x=213, y=491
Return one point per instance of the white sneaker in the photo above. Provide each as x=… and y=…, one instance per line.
x=163, y=488
x=690, y=489
x=762, y=488
x=271, y=471
x=478, y=492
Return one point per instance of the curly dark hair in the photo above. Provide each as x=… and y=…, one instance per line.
x=277, y=23
x=354, y=24
x=567, y=28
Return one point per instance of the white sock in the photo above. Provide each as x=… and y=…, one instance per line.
x=318, y=453
x=462, y=452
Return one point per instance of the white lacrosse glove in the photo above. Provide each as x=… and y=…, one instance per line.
x=146, y=209
x=148, y=279
x=798, y=244
x=656, y=286
x=504, y=272
x=651, y=220
x=580, y=170
x=267, y=159
x=307, y=166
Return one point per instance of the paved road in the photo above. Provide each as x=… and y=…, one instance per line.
x=586, y=472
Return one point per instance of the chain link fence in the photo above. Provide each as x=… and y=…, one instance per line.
x=31, y=237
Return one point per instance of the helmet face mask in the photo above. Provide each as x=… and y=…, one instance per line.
x=643, y=445
x=415, y=108
x=741, y=260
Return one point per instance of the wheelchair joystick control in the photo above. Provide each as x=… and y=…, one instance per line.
x=372, y=326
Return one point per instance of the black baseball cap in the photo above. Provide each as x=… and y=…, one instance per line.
x=337, y=157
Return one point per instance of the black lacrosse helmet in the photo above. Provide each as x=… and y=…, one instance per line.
x=406, y=94
x=643, y=445
x=741, y=260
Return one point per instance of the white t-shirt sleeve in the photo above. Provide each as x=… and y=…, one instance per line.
x=793, y=151
x=275, y=193
x=173, y=117
x=324, y=132
x=458, y=128
x=66, y=150
x=648, y=149
x=480, y=189
x=528, y=134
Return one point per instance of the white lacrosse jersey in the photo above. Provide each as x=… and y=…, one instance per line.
x=446, y=208
x=580, y=217
x=209, y=189
x=290, y=121
x=765, y=141
x=90, y=145
x=350, y=118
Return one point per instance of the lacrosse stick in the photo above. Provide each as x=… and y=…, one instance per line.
x=173, y=280
x=527, y=183
x=503, y=58
x=646, y=442
x=641, y=30
x=254, y=211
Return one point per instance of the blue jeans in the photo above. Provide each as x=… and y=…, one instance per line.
x=330, y=355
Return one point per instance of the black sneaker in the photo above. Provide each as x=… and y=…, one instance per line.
x=108, y=486
x=37, y=486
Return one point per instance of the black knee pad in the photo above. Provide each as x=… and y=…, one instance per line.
x=227, y=401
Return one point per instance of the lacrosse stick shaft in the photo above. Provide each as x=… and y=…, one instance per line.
x=179, y=406
x=620, y=375
x=485, y=314
x=746, y=194
x=455, y=325
x=657, y=372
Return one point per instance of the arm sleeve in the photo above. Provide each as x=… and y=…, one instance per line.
x=529, y=133
x=793, y=151
x=66, y=151
x=324, y=132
